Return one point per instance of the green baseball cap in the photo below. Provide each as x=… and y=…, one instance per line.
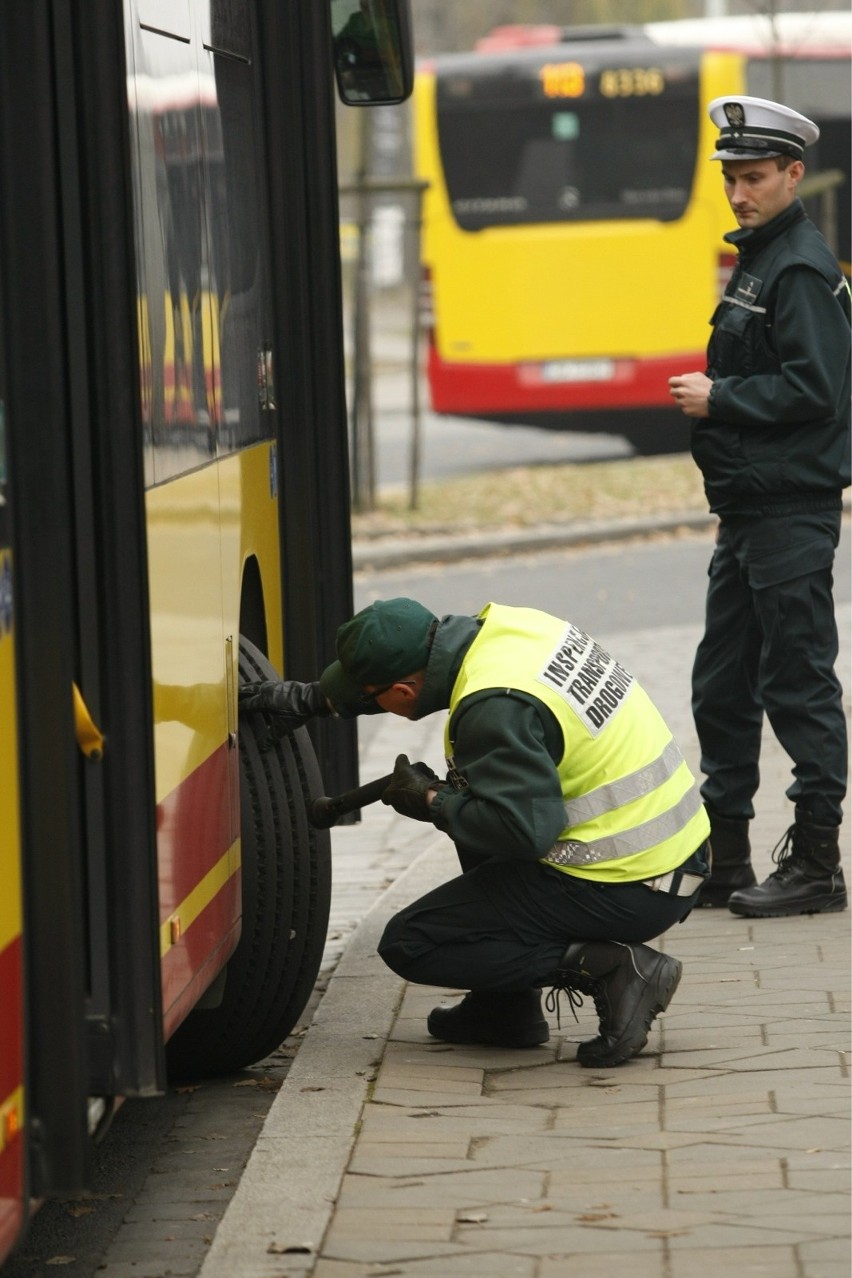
x=382, y=643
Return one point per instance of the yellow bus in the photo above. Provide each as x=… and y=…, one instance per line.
x=174, y=519
x=573, y=225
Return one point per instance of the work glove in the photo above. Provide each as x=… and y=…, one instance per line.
x=291, y=703
x=409, y=787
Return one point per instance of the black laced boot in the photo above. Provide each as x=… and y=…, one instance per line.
x=630, y=984
x=731, y=860
x=494, y=1019
x=809, y=878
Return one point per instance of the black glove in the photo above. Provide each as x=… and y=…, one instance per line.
x=409, y=786
x=291, y=702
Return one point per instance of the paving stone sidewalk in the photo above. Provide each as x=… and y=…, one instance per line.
x=722, y=1149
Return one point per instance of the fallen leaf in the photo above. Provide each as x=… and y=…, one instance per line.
x=266, y=1083
x=472, y=1217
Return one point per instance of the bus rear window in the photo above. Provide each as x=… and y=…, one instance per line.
x=562, y=141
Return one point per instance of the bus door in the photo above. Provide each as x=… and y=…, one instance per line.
x=92, y=1014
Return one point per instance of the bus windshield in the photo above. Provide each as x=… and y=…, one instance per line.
x=564, y=139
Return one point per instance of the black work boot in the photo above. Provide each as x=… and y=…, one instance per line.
x=495, y=1019
x=731, y=867
x=630, y=984
x=809, y=879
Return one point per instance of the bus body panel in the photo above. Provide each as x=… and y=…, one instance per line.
x=199, y=851
x=13, y=1190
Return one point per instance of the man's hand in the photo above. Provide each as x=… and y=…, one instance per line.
x=409, y=789
x=290, y=702
x=690, y=391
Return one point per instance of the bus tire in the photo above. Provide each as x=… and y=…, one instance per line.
x=286, y=897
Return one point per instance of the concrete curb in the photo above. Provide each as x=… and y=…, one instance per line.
x=309, y=1133
x=394, y=552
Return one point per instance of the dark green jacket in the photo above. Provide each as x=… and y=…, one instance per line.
x=777, y=437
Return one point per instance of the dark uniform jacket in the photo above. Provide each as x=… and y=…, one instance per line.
x=777, y=437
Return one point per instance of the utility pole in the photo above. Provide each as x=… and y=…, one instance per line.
x=361, y=431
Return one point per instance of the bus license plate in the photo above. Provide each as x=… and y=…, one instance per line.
x=578, y=370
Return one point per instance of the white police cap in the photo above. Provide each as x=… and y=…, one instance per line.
x=755, y=129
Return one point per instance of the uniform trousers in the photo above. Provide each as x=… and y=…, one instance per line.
x=503, y=925
x=770, y=646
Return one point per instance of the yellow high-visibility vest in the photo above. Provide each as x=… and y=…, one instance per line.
x=632, y=806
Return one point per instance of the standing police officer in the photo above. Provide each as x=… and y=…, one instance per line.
x=578, y=825
x=772, y=441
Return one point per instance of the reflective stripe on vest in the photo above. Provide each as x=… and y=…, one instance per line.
x=614, y=794
x=628, y=842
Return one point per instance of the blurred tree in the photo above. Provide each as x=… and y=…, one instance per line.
x=442, y=26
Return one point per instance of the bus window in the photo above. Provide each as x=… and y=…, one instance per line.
x=560, y=140
x=373, y=57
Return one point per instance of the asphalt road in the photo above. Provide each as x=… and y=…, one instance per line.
x=462, y=445
x=635, y=585
x=616, y=586
x=458, y=445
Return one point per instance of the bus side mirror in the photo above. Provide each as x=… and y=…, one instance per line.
x=373, y=51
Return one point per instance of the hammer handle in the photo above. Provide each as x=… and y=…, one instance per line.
x=326, y=810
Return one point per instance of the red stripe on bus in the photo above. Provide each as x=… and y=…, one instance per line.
x=11, y=1080
x=204, y=948
x=195, y=827
x=480, y=389
x=11, y=1018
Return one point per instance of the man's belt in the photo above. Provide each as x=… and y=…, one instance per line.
x=675, y=883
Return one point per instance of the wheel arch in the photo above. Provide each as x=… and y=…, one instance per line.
x=253, y=606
